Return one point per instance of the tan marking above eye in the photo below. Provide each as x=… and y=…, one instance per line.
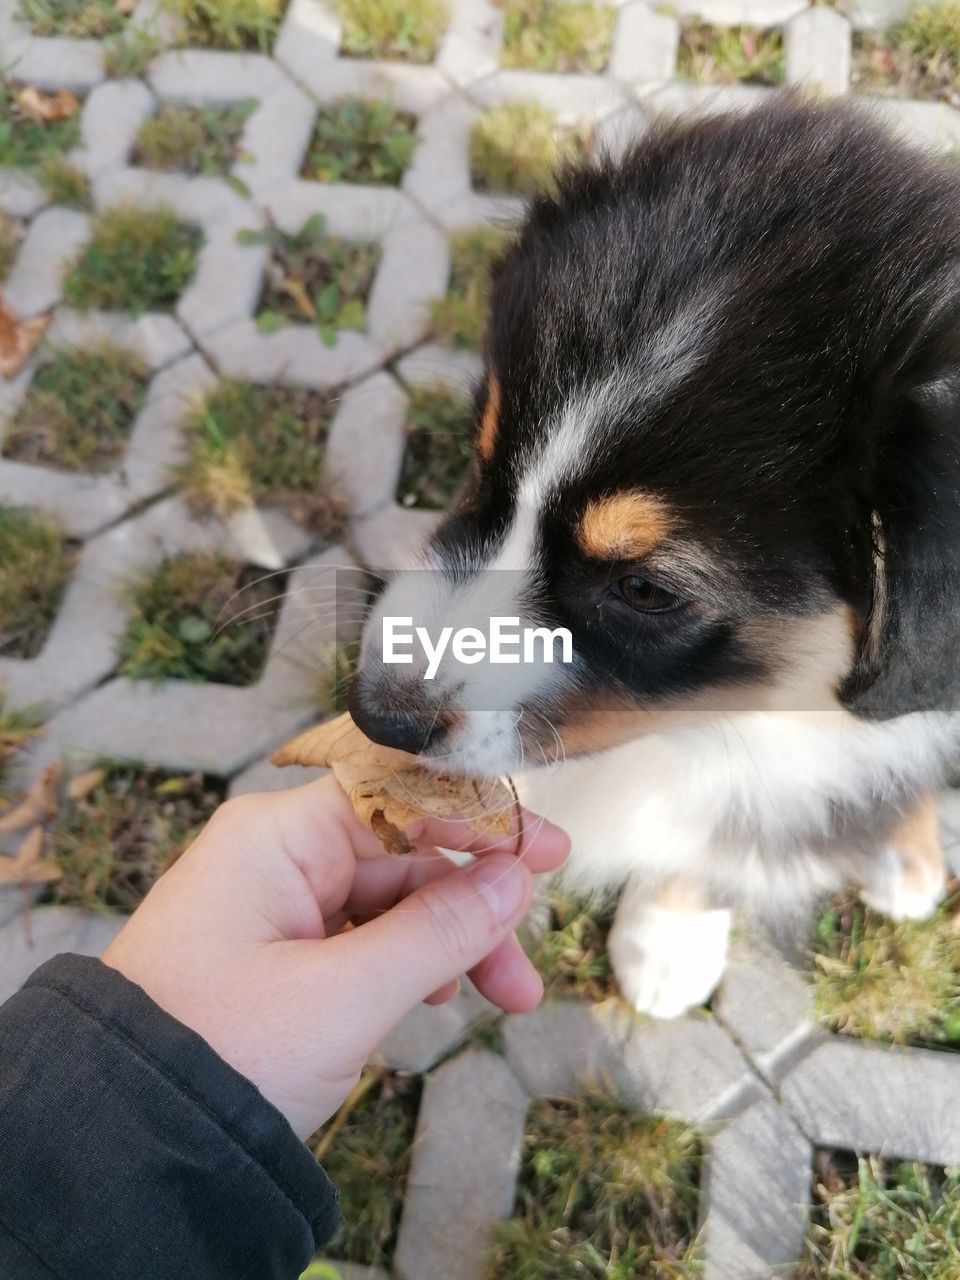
x=623, y=526
x=489, y=423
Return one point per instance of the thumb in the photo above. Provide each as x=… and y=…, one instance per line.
x=441, y=931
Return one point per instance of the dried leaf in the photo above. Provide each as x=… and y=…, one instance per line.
x=28, y=867
x=39, y=805
x=79, y=788
x=389, y=789
x=18, y=338
x=46, y=108
x=125, y=7
x=295, y=289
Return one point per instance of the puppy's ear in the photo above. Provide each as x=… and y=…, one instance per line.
x=909, y=656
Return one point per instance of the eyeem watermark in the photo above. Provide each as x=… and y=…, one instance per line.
x=505, y=642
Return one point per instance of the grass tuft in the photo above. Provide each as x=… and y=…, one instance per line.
x=889, y=980
x=17, y=728
x=728, y=55
x=557, y=35
x=78, y=410
x=366, y=1150
x=314, y=278
x=460, y=318
x=35, y=564
x=916, y=58
x=26, y=143
x=78, y=19
x=407, y=29
x=200, y=616
x=248, y=444
x=229, y=24
x=359, y=141
x=571, y=954
x=65, y=183
x=129, y=56
x=439, y=447
x=194, y=140
x=601, y=1193
x=516, y=148
x=137, y=260
x=11, y=233
x=874, y=1220
x=114, y=844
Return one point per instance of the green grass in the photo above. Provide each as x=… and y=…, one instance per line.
x=886, y=980
x=366, y=1151
x=877, y=1220
x=137, y=260
x=602, y=1194
x=128, y=57
x=331, y=686
x=79, y=19
x=200, y=616
x=553, y=35
x=314, y=278
x=728, y=55
x=916, y=58
x=114, y=843
x=439, y=447
x=65, y=183
x=406, y=29
x=229, y=24
x=11, y=233
x=571, y=954
x=35, y=565
x=26, y=143
x=359, y=141
x=248, y=444
x=516, y=148
x=78, y=411
x=460, y=318
x=201, y=140
x=17, y=728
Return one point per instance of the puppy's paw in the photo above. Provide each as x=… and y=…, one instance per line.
x=904, y=892
x=666, y=962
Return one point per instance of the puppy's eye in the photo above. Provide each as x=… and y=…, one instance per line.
x=646, y=596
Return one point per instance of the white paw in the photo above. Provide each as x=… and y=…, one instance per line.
x=901, y=895
x=666, y=962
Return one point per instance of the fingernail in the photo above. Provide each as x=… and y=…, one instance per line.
x=503, y=884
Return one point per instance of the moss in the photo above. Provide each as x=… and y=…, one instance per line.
x=889, y=980
x=129, y=56
x=601, y=1193
x=115, y=843
x=359, y=141
x=137, y=260
x=460, y=318
x=248, y=444
x=26, y=143
x=439, y=447
x=11, y=233
x=35, y=565
x=229, y=24
x=571, y=953
x=726, y=55
x=516, y=148
x=78, y=19
x=879, y=1220
x=200, y=616
x=78, y=411
x=366, y=1151
x=65, y=183
x=195, y=140
x=916, y=58
x=405, y=29
x=556, y=35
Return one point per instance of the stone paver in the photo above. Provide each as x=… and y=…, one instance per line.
x=759, y=1079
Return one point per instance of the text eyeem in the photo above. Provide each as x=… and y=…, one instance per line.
x=505, y=642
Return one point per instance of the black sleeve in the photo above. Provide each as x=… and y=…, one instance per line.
x=128, y=1147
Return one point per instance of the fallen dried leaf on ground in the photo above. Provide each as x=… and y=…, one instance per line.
x=46, y=108
x=18, y=339
x=39, y=805
x=389, y=789
x=80, y=786
x=125, y=7
x=28, y=867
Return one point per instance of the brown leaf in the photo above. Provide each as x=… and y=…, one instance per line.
x=18, y=338
x=39, y=805
x=295, y=289
x=883, y=62
x=46, y=108
x=79, y=787
x=389, y=789
x=28, y=867
x=125, y=7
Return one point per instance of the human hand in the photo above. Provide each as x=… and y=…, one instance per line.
x=292, y=944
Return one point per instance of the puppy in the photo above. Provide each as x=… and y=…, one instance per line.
x=718, y=440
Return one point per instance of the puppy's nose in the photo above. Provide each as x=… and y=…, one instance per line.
x=404, y=730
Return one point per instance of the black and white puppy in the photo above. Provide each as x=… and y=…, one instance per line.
x=718, y=439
